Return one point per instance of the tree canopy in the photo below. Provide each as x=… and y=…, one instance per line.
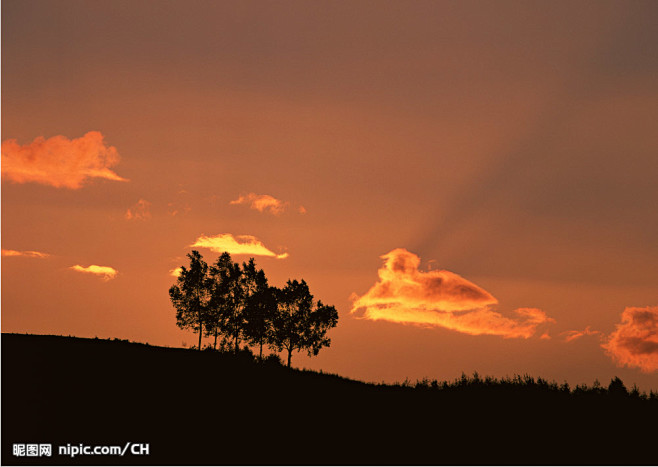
x=235, y=303
x=298, y=324
x=190, y=294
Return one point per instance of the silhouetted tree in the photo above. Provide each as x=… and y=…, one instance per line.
x=617, y=388
x=297, y=325
x=228, y=292
x=259, y=311
x=220, y=289
x=323, y=318
x=258, y=302
x=236, y=303
x=190, y=294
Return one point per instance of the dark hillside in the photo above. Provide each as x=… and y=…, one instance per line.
x=210, y=408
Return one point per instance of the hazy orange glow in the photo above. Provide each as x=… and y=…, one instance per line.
x=262, y=203
x=404, y=294
x=29, y=254
x=509, y=145
x=59, y=161
x=140, y=211
x=573, y=335
x=236, y=245
x=106, y=272
x=634, y=342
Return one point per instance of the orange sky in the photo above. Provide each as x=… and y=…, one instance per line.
x=471, y=184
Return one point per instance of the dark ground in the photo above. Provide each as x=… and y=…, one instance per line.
x=199, y=408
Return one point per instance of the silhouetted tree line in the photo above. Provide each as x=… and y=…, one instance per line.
x=235, y=304
x=527, y=383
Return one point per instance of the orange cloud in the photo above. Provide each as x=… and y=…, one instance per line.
x=262, y=203
x=140, y=211
x=238, y=245
x=634, y=343
x=573, y=335
x=27, y=254
x=105, y=271
x=59, y=161
x=404, y=294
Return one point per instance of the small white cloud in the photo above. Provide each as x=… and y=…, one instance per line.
x=262, y=203
x=105, y=272
x=238, y=245
x=175, y=272
x=27, y=254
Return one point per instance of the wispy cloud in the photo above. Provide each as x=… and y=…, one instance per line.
x=262, y=203
x=140, y=211
x=105, y=272
x=266, y=203
x=237, y=245
x=59, y=161
x=573, y=335
x=404, y=294
x=634, y=343
x=27, y=254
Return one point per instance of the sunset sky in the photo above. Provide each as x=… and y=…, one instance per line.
x=473, y=185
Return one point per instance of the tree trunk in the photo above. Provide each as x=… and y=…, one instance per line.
x=215, y=345
x=261, y=349
x=237, y=343
x=289, y=356
x=200, y=333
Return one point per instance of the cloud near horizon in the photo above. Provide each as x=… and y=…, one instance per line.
x=634, y=343
x=236, y=245
x=59, y=162
x=140, y=211
x=404, y=294
x=27, y=254
x=106, y=272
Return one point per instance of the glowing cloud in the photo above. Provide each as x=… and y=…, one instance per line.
x=265, y=203
x=238, y=245
x=404, y=294
x=59, y=161
x=105, y=271
x=140, y=211
x=27, y=254
x=634, y=343
x=175, y=272
x=573, y=335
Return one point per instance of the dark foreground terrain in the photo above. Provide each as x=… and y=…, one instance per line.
x=209, y=408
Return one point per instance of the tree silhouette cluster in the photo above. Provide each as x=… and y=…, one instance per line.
x=235, y=303
x=526, y=384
